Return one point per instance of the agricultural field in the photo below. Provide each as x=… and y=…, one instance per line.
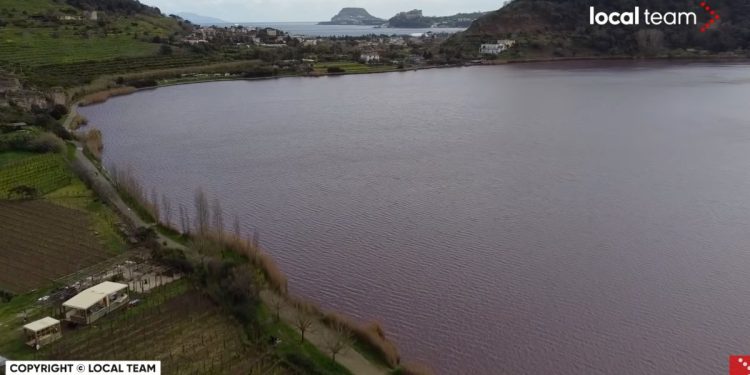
x=352, y=67
x=69, y=74
x=42, y=242
x=11, y=156
x=35, y=34
x=44, y=173
x=176, y=325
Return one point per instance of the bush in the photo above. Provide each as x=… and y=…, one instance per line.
x=141, y=83
x=16, y=141
x=173, y=258
x=47, y=142
x=58, y=111
x=165, y=50
x=301, y=363
x=335, y=69
x=372, y=336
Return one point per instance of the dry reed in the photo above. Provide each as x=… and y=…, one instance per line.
x=102, y=96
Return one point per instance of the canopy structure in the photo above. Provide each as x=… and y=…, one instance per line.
x=94, y=295
x=41, y=324
x=42, y=332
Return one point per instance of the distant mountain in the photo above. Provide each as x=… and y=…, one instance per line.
x=200, y=20
x=354, y=16
x=561, y=28
x=415, y=19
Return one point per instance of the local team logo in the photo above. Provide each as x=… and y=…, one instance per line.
x=739, y=365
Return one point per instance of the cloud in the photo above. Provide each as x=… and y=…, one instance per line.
x=313, y=10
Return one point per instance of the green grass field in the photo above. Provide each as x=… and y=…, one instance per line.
x=37, y=42
x=352, y=67
x=11, y=156
x=45, y=173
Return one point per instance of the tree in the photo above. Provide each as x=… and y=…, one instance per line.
x=166, y=207
x=237, y=227
x=276, y=302
x=25, y=192
x=155, y=205
x=650, y=41
x=337, y=339
x=202, y=214
x=218, y=217
x=165, y=50
x=303, y=319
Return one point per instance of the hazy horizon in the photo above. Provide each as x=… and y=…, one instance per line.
x=313, y=10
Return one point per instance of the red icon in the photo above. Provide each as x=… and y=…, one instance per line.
x=739, y=364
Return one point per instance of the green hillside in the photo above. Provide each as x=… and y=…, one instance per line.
x=37, y=36
x=561, y=28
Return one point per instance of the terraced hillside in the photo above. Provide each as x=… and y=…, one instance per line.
x=40, y=35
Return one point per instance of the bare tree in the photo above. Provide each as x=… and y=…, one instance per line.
x=276, y=302
x=202, y=214
x=183, y=227
x=650, y=41
x=155, y=205
x=303, y=319
x=237, y=227
x=218, y=217
x=337, y=339
x=166, y=207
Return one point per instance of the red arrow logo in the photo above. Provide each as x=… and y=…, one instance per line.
x=714, y=17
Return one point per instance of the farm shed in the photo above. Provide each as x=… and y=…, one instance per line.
x=42, y=332
x=95, y=302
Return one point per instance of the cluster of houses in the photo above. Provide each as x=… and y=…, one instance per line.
x=239, y=35
x=85, y=308
x=496, y=48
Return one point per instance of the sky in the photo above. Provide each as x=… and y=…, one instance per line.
x=314, y=10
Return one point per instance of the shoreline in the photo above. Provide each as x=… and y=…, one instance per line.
x=367, y=355
x=681, y=59
x=74, y=106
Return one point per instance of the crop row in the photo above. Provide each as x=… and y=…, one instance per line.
x=42, y=242
x=187, y=333
x=45, y=173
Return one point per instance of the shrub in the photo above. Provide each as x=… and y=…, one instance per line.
x=371, y=335
x=335, y=69
x=414, y=369
x=94, y=143
x=58, y=111
x=47, y=142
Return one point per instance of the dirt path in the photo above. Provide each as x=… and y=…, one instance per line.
x=316, y=335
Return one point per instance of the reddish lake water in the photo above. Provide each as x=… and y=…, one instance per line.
x=530, y=219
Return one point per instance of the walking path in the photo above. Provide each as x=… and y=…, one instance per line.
x=316, y=334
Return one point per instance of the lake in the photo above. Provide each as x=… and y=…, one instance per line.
x=569, y=218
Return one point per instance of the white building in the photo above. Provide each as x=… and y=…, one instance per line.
x=369, y=58
x=95, y=302
x=42, y=332
x=496, y=48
